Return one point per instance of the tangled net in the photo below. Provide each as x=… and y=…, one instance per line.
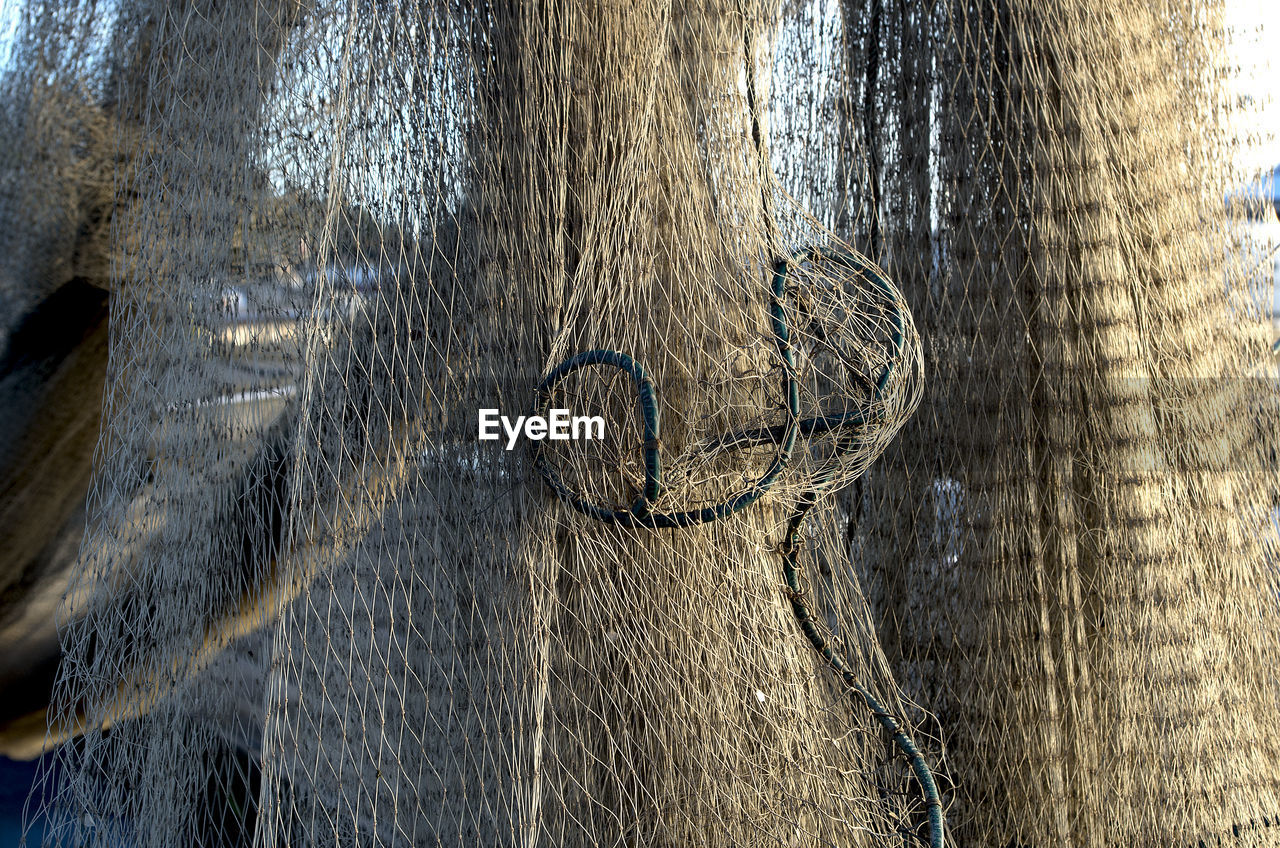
x=854, y=350
x=846, y=363
x=311, y=607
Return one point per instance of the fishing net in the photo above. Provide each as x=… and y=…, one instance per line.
x=737, y=245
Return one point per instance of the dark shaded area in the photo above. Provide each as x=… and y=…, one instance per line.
x=51, y=397
x=16, y=779
x=51, y=379
x=229, y=814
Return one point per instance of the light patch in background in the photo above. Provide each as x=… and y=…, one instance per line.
x=1254, y=31
x=10, y=15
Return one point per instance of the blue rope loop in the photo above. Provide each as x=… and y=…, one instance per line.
x=848, y=440
x=785, y=436
x=650, y=423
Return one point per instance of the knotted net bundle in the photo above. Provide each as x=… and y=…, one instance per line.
x=313, y=606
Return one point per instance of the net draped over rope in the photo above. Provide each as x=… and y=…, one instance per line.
x=312, y=607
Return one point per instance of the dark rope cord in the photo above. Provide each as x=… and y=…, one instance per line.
x=641, y=512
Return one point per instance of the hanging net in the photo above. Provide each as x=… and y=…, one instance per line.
x=917, y=476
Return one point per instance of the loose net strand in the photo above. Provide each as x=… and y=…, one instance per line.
x=774, y=603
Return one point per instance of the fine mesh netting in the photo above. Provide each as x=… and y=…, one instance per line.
x=935, y=470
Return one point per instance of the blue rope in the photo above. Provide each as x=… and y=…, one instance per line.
x=641, y=513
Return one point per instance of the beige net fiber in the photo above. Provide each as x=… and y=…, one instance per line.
x=935, y=472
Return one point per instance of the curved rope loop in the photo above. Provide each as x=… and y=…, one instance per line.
x=640, y=513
